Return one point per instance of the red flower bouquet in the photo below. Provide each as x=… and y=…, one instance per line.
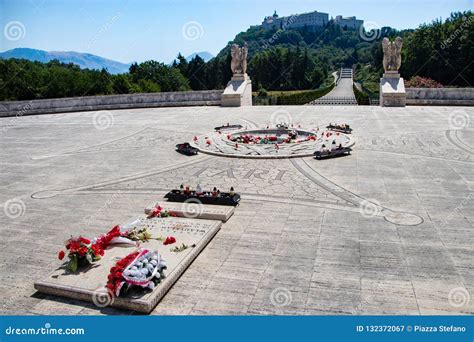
x=80, y=252
x=105, y=239
x=158, y=211
x=119, y=235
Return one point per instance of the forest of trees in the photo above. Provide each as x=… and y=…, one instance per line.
x=278, y=60
x=442, y=51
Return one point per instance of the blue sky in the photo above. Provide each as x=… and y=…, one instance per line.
x=137, y=30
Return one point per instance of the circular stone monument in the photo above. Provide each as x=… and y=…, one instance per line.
x=274, y=142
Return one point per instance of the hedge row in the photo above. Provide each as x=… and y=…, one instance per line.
x=293, y=99
x=362, y=98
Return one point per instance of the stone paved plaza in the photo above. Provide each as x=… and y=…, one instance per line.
x=388, y=229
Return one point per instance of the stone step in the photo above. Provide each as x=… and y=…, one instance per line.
x=335, y=101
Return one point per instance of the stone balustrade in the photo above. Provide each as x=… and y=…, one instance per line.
x=440, y=96
x=108, y=102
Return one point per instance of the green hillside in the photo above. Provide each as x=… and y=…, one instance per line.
x=300, y=59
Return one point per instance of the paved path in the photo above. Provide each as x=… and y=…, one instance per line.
x=342, y=94
x=309, y=237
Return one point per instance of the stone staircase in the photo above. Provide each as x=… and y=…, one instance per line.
x=346, y=73
x=334, y=101
x=342, y=94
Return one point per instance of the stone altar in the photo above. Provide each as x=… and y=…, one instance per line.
x=238, y=91
x=392, y=86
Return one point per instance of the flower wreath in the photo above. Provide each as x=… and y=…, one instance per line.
x=142, y=268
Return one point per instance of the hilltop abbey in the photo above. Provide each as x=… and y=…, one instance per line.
x=310, y=20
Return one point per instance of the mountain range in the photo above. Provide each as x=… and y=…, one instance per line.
x=83, y=60
x=203, y=54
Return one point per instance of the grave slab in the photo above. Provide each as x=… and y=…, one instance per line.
x=195, y=210
x=88, y=284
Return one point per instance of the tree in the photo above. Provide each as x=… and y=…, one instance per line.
x=317, y=77
x=181, y=64
x=121, y=84
x=147, y=86
x=166, y=77
x=196, y=73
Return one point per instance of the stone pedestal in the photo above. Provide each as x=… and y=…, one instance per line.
x=238, y=92
x=392, y=90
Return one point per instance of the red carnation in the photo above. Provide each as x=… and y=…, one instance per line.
x=98, y=248
x=155, y=212
x=95, y=249
x=84, y=240
x=83, y=251
x=61, y=255
x=73, y=246
x=169, y=240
